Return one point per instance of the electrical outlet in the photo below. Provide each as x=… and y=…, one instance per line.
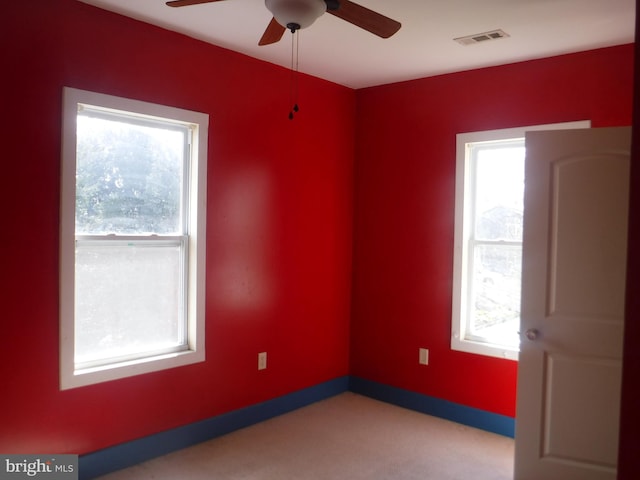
x=262, y=360
x=423, y=358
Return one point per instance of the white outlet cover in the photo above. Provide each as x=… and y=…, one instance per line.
x=262, y=360
x=424, y=356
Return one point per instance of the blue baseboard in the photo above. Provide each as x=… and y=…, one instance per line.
x=473, y=417
x=131, y=453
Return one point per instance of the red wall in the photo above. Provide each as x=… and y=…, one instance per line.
x=404, y=200
x=279, y=225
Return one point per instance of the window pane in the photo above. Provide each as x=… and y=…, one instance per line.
x=499, y=193
x=128, y=300
x=128, y=178
x=496, y=293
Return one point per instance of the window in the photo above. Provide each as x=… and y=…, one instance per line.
x=132, y=240
x=488, y=240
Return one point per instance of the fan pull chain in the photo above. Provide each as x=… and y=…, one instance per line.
x=295, y=48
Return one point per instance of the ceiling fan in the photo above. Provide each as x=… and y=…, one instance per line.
x=298, y=14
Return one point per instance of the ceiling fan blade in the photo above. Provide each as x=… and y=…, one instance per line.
x=364, y=18
x=272, y=34
x=186, y=3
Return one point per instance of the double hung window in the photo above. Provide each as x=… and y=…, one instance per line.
x=490, y=184
x=132, y=237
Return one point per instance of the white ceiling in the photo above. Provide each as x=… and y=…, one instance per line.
x=342, y=53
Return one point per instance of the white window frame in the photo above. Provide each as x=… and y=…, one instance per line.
x=72, y=375
x=460, y=339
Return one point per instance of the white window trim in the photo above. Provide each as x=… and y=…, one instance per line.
x=459, y=341
x=70, y=377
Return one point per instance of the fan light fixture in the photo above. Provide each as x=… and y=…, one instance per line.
x=296, y=14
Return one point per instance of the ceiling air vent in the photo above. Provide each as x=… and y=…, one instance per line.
x=481, y=37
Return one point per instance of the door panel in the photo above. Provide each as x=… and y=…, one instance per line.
x=568, y=432
x=587, y=202
x=574, y=260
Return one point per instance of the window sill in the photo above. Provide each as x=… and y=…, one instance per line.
x=487, y=349
x=89, y=376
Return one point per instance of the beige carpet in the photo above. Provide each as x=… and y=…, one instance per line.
x=345, y=437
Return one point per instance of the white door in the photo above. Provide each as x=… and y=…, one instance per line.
x=573, y=283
